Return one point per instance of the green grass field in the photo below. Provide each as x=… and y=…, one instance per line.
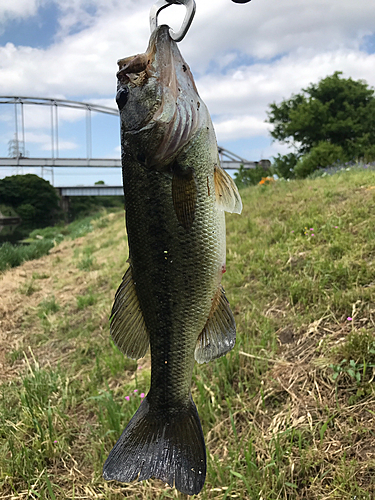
x=288, y=414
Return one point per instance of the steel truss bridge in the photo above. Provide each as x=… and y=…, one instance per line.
x=19, y=157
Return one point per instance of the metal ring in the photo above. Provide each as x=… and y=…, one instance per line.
x=162, y=4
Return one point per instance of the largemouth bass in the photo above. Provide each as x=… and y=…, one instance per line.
x=170, y=298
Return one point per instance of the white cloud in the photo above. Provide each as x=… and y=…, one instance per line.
x=268, y=28
x=238, y=127
x=84, y=63
x=240, y=99
x=244, y=56
x=44, y=142
x=17, y=9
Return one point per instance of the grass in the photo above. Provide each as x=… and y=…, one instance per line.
x=41, y=241
x=15, y=255
x=86, y=300
x=288, y=414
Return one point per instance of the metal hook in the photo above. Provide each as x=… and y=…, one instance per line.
x=162, y=4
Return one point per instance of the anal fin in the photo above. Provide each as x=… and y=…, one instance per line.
x=128, y=329
x=219, y=334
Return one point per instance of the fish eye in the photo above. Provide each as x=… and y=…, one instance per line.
x=122, y=97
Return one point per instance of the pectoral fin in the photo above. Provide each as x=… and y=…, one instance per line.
x=227, y=196
x=128, y=328
x=184, y=193
x=219, y=334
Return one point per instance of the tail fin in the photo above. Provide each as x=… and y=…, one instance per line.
x=169, y=447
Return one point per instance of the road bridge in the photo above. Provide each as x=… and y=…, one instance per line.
x=97, y=190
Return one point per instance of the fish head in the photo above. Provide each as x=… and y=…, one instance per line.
x=159, y=104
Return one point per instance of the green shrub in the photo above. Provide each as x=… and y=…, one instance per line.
x=322, y=155
x=81, y=206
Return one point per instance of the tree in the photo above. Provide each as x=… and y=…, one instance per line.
x=33, y=198
x=336, y=111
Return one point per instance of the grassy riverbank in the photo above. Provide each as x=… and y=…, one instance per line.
x=40, y=241
x=288, y=414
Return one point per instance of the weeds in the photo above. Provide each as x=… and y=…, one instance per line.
x=15, y=255
x=29, y=288
x=47, y=306
x=40, y=276
x=86, y=264
x=86, y=300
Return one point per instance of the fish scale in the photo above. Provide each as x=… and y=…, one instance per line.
x=158, y=285
x=171, y=298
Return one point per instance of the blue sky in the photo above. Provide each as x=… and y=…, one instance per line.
x=243, y=58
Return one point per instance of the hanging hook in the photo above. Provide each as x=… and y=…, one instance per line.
x=162, y=4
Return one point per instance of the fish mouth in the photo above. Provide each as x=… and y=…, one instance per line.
x=160, y=88
x=140, y=83
x=136, y=70
x=162, y=60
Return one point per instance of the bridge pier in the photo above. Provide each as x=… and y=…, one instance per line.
x=64, y=201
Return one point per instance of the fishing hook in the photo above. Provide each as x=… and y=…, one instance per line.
x=162, y=4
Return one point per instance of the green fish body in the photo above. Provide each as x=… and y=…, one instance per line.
x=170, y=298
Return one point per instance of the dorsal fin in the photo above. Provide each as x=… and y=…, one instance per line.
x=219, y=334
x=227, y=196
x=128, y=329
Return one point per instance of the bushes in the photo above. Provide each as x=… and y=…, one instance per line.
x=27, y=212
x=81, y=206
x=322, y=155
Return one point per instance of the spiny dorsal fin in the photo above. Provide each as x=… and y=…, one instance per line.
x=128, y=328
x=227, y=196
x=184, y=194
x=219, y=334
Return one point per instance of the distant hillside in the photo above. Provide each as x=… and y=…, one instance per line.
x=288, y=414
